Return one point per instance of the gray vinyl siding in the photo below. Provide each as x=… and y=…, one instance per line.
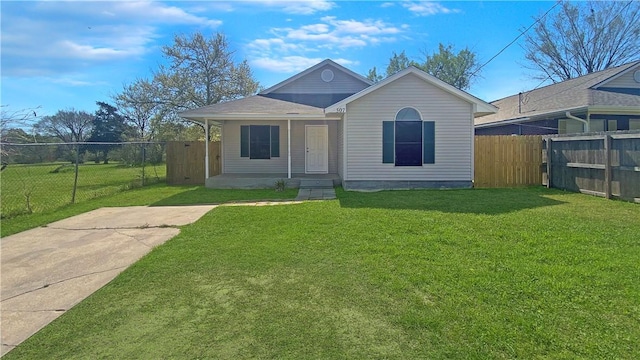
x=234, y=164
x=311, y=83
x=453, y=133
x=624, y=81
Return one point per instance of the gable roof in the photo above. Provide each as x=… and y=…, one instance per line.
x=573, y=94
x=253, y=107
x=312, y=69
x=480, y=107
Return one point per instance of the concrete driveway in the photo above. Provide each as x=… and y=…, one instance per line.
x=47, y=270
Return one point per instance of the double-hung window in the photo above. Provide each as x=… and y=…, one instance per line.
x=408, y=141
x=259, y=141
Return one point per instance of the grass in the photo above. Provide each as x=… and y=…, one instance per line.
x=500, y=273
x=155, y=194
x=44, y=187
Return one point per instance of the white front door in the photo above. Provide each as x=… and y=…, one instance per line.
x=317, y=149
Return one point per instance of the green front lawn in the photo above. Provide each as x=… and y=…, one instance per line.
x=37, y=188
x=500, y=273
x=156, y=194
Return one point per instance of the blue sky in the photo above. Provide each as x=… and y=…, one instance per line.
x=60, y=55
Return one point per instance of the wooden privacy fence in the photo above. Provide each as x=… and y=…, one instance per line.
x=604, y=165
x=185, y=162
x=508, y=161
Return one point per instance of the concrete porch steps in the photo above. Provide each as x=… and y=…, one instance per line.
x=316, y=184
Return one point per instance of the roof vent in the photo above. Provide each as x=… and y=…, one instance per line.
x=636, y=76
x=326, y=75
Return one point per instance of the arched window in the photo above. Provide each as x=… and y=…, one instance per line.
x=408, y=138
x=408, y=141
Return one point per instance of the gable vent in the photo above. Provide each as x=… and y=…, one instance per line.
x=326, y=75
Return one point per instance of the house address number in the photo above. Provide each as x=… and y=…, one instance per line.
x=341, y=110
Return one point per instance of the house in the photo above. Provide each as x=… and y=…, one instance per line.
x=606, y=100
x=410, y=130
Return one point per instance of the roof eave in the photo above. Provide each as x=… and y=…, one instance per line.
x=535, y=117
x=480, y=106
x=235, y=117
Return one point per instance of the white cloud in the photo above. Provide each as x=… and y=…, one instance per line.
x=289, y=48
x=331, y=34
x=87, y=52
x=45, y=38
x=299, y=7
x=70, y=81
x=367, y=27
x=426, y=8
x=160, y=13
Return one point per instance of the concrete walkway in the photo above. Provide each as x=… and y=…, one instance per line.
x=316, y=194
x=48, y=270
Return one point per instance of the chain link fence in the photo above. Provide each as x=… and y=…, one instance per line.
x=42, y=177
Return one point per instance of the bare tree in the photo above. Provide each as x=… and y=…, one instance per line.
x=202, y=72
x=138, y=102
x=584, y=38
x=67, y=125
x=14, y=120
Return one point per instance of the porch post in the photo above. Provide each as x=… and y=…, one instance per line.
x=206, y=150
x=288, y=148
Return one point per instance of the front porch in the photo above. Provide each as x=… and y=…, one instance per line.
x=266, y=181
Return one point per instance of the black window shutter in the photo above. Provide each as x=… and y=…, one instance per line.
x=275, y=141
x=429, y=142
x=244, y=141
x=388, y=142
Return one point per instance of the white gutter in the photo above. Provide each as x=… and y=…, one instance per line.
x=502, y=122
x=293, y=117
x=568, y=114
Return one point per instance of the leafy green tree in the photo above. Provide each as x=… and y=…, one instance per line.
x=458, y=69
x=373, y=75
x=398, y=62
x=108, y=127
x=584, y=37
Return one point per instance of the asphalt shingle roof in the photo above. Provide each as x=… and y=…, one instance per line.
x=570, y=94
x=253, y=105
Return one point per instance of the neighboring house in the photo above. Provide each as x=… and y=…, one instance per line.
x=410, y=130
x=607, y=100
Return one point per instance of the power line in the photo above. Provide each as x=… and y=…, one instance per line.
x=572, y=58
x=592, y=39
x=516, y=39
